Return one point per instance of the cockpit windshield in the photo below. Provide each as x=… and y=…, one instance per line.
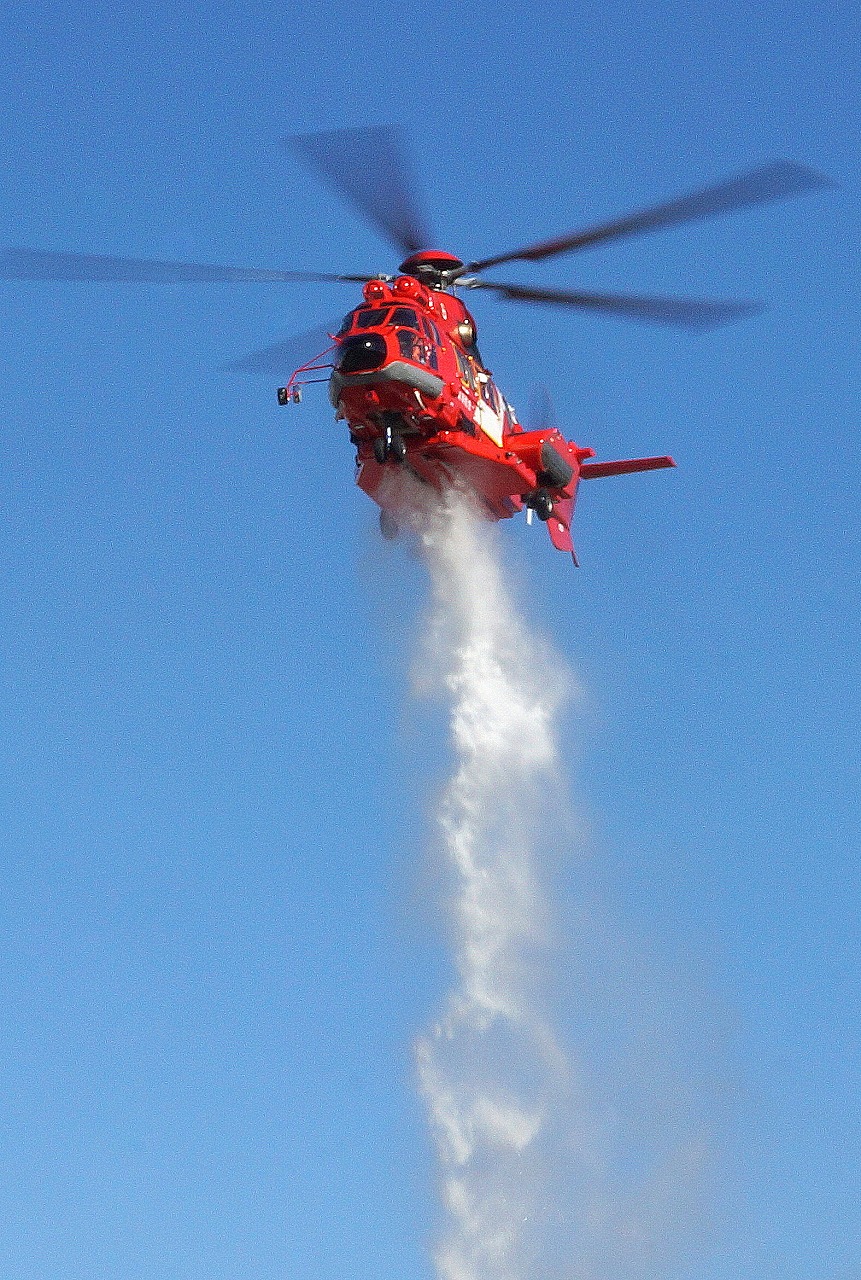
x=370, y=317
x=364, y=318
x=416, y=342
x=405, y=316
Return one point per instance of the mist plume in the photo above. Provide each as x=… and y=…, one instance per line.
x=529, y=1177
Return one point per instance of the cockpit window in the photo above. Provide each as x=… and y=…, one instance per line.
x=409, y=344
x=489, y=393
x=432, y=331
x=371, y=317
x=405, y=316
x=346, y=324
x=467, y=376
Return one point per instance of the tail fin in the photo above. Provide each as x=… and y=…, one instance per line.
x=559, y=527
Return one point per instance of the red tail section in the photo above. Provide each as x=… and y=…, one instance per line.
x=559, y=524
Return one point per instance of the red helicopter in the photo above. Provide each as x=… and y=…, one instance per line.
x=408, y=379
x=406, y=372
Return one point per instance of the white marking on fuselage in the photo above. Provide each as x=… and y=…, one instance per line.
x=491, y=423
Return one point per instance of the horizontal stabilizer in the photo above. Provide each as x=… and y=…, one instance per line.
x=596, y=470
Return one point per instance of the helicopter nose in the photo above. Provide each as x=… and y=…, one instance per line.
x=362, y=354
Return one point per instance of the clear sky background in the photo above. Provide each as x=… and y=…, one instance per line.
x=217, y=930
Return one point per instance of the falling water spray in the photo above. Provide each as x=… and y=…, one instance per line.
x=490, y=1070
x=540, y=1176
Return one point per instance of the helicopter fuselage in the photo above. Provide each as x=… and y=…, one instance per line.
x=408, y=379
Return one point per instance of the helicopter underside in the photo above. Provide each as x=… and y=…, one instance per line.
x=452, y=459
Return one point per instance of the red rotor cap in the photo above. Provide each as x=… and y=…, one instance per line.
x=433, y=259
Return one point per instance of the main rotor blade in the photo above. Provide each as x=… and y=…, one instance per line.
x=32, y=264
x=283, y=357
x=775, y=181
x=367, y=167
x=682, y=312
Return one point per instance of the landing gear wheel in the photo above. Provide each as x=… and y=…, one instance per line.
x=390, y=447
x=542, y=504
x=388, y=525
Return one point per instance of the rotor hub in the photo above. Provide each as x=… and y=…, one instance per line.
x=433, y=267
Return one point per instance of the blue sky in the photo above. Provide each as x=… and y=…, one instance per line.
x=217, y=936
